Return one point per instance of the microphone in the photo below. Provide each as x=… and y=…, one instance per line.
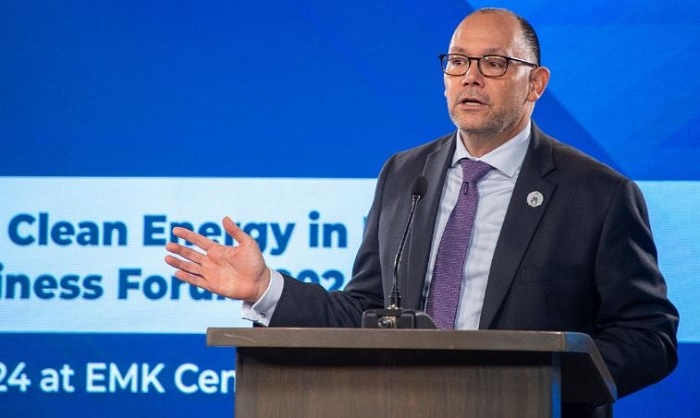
x=394, y=316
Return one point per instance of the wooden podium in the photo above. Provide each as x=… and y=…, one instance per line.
x=331, y=372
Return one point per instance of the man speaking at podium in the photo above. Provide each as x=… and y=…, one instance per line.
x=515, y=230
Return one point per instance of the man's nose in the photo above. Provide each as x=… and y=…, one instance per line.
x=473, y=75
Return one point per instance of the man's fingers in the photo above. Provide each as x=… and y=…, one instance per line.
x=188, y=272
x=191, y=279
x=187, y=267
x=182, y=251
x=234, y=231
x=193, y=237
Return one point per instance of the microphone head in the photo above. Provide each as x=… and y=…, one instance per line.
x=420, y=186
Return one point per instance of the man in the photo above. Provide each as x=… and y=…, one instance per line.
x=559, y=241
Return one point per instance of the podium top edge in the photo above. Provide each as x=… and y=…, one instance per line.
x=398, y=339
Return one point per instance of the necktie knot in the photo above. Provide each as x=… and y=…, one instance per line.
x=473, y=170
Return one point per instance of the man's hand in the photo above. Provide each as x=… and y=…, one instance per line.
x=235, y=272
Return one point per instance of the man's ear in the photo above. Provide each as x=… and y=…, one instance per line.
x=539, y=77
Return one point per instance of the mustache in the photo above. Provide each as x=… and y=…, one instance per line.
x=472, y=97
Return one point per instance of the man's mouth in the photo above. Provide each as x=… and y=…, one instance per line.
x=471, y=101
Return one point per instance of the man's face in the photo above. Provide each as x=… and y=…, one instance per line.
x=496, y=108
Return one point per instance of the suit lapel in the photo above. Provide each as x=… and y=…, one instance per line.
x=521, y=221
x=418, y=254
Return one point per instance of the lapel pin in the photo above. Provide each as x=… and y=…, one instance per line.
x=535, y=199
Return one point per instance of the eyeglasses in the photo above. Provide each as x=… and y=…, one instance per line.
x=489, y=65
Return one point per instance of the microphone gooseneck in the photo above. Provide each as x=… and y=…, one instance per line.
x=393, y=316
x=420, y=185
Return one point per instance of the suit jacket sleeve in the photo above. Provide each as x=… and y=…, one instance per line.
x=636, y=323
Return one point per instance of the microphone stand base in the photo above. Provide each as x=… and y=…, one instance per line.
x=397, y=318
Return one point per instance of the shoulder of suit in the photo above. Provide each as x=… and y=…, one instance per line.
x=569, y=160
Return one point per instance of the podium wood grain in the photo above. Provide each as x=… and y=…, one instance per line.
x=365, y=373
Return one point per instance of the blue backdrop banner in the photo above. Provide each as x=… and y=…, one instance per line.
x=120, y=120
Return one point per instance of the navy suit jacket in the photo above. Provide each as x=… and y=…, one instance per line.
x=584, y=260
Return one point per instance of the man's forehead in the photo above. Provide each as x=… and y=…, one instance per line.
x=489, y=33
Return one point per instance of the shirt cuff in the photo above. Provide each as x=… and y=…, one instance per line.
x=261, y=311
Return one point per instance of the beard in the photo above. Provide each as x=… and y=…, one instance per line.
x=490, y=124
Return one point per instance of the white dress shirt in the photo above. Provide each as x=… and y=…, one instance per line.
x=495, y=190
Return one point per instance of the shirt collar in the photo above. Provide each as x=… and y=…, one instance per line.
x=508, y=158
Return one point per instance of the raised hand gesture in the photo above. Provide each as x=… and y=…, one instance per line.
x=237, y=272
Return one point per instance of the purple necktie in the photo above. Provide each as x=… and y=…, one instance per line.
x=443, y=297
